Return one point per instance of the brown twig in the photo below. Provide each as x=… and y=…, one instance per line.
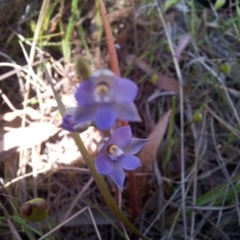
x=109, y=39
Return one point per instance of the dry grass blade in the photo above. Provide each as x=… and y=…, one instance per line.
x=181, y=102
x=68, y=212
x=13, y=230
x=225, y=171
x=224, y=123
x=69, y=219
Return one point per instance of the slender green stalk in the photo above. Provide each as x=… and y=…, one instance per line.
x=66, y=44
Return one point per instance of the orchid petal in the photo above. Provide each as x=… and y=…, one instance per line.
x=121, y=137
x=84, y=114
x=135, y=146
x=66, y=123
x=103, y=72
x=67, y=120
x=124, y=90
x=102, y=143
x=81, y=127
x=103, y=76
x=127, y=112
x=105, y=116
x=71, y=111
x=129, y=162
x=118, y=175
x=104, y=164
x=84, y=93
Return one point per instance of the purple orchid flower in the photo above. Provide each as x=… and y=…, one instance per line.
x=116, y=155
x=104, y=98
x=69, y=124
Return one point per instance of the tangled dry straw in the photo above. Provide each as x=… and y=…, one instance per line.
x=11, y=12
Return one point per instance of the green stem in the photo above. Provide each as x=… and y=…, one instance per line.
x=169, y=136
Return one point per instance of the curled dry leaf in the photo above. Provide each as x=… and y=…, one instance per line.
x=149, y=152
x=163, y=82
x=120, y=14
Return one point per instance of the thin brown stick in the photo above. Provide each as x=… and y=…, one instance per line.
x=133, y=194
x=109, y=39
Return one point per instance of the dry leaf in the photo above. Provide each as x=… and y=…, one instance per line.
x=149, y=151
x=148, y=155
x=27, y=137
x=168, y=84
x=120, y=14
x=182, y=44
x=33, y=114
x=164, y=82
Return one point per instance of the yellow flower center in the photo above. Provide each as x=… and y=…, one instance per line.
x=102, y=89
x=114, y=151
x=101, y=93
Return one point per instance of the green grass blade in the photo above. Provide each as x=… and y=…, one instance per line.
x=66, y=41
x=217, y=194
x=170, y=135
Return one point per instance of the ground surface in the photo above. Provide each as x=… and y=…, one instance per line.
x=200, y=127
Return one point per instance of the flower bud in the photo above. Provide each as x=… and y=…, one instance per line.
x=155, y=79
x=35, y=210
x=82, y=68
x=68, y=122
x=197, y=117
x=226, y=68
